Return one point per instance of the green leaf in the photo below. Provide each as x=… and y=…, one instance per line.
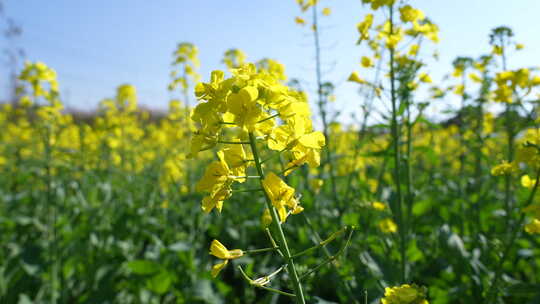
x=159, y=283
x=143, y=267
x=421, y=207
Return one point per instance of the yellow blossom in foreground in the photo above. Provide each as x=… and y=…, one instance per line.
x=217, y=268
x=388, y=226
x=216, y=181
x=413, y=50
x=405, y=294
x=281, y=195
x=219, y=250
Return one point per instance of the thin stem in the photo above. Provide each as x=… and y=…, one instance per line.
x=331, y=258
x=277, y=226
x=397, y=157
x=273, y=242
x=268, y=118
x=287, y=169
x=248, y=190
x=252, y=251
x=332, y=237
x=273, y=156
x=248, y=176
x=233, y=142
x=253, y=283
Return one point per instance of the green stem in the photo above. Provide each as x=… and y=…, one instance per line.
x=233, y=142
x=251, y=282
x=397, y=157
x=260, y=250
x=277, y=226
x=248, y=190
x=268, y=118
x=332, y=237
x=331, y=258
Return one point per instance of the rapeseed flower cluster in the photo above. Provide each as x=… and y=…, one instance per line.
x=252, y=101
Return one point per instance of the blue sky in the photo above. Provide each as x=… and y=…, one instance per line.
x=96, y=45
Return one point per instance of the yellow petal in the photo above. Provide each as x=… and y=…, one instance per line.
x=217, y=268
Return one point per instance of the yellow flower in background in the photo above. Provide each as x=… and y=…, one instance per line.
x=366, y=62
x=387, y=225
x=327, y=11
x=504, y=168
x=497, y=50
x=405, y=294
x=425, y=78
x=378, y=206
x=527, y=182
x=533, y=227
x=234, y=58
x=375, y=4
x=316, y=184
x=364, y=27
x=354, y=77
x=299, y=21
x=459, y=90
x=474, y=77
x=413, y=50
x=410, y=14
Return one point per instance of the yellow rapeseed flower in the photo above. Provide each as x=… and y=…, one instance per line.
x=387, y=226
x=405, y=294
x=326, y=11
x=220, y=251
x=378, y=206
